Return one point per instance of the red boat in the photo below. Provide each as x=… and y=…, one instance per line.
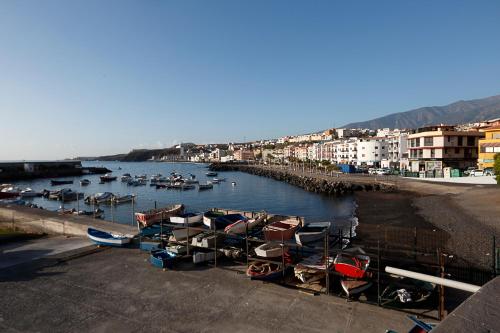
x=152, y=216
x=281, y=230
x=353, y=266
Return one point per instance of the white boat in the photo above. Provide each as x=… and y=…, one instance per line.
x=180, y=234
x=29, y=193
x=233, y=183
x=312, y=232
x=126, y=177
x=241, y=226
x=199, y=257
x=105, y=238
x=84, y=182
x=269, y=250
x=187, y=219
x=123, y=199
x=207, y=239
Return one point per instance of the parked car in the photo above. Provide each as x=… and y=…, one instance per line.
x=468, y=171
x=383, y=171
x=476, y=173
x=489, y=172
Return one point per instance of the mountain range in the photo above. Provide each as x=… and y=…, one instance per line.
x=460, y=112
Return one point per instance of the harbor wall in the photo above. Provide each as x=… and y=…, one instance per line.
x=42, y=221
x=309, y=182
x=45, y=169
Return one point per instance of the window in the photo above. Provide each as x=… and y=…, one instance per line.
x=376, y=147
x=433, y=152
x=448, y=138
x=470, y=141
x=376, y=155
x=457, y=150
x=383, y=155
x=383, y=147
x=362, y=155
x=428, y=141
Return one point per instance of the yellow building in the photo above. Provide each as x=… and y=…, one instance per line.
x=488, y=147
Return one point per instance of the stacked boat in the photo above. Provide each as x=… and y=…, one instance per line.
x=152, y=216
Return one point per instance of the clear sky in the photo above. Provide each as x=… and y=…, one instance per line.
x=92, y=77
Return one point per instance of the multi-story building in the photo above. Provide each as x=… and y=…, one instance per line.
x=371, y=151
x=435, y=147
x=243, y=155
x=397, y=151
x=488, y=147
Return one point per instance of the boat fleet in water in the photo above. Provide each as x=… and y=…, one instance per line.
x=14, y=195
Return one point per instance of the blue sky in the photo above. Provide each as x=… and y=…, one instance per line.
x=100, y=77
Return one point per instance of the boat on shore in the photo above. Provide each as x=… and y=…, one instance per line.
x=152, y=216
x=162, y=258
x=100, y=237
x=210, y=216
x=180, y=234
x=223, y=221
x=269, y=250
x=283, y=228
x=186, y=219
x=60, y=182
x=241, y=226
x=312, y=232
x=266, y=271
x=354, y=287
x=352, y=263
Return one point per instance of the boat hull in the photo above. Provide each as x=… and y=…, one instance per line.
x=156, y=215
x=103, y=238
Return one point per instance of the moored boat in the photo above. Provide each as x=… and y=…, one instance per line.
x=312, y=232
x=187, y=219
x=60, y=182
x=100, y=237
x=282, y=229
x=152, y=216
x=123, y=199
x=29, y=193
x=211, y=174
x=84, y=182
x=108, y=178
x=103, y=197
x=207, y=186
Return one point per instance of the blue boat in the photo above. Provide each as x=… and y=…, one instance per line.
x=223, y=221
x=107, y=239
x=152, y=230
x=148, y=245
x=162, y=258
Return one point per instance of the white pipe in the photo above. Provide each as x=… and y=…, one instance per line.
x=433, y=279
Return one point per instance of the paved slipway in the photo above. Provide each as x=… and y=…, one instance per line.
x=117, y=290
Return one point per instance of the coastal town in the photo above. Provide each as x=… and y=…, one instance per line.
x=438, y=151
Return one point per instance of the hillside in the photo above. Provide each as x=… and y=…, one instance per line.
x=456, y=113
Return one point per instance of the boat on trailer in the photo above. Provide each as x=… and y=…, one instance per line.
x=100, y=237
x=312, y=232
x=152, y=216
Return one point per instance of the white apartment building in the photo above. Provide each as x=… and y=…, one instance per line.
x=397, y=153
x=371, y=151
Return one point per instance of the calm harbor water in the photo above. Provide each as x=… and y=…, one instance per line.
x=252, y=193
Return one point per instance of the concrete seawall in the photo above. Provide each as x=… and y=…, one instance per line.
x=317, y=183
x=39, y=220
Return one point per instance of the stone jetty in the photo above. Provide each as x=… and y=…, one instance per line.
x=313, y=182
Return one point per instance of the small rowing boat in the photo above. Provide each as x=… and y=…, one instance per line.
x=187, y=219
x=100, y=237
x=269, y=250
x=312, y=232
x=352, y=263
x=152, y=216
x=210, y=216
x=162, y=258
x=282, y=229
x=123, y=199
x=60, y=182
x=108, y=178
x=243, y=225
x=353, y=287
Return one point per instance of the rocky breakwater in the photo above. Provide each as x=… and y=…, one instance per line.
x=309, y=182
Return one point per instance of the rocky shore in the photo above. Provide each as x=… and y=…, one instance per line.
x=313, y=183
